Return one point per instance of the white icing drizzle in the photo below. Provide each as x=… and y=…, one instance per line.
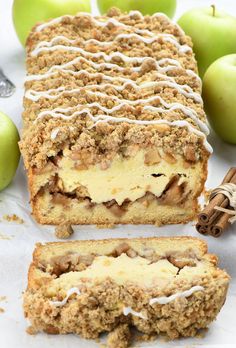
x=188, y=111
x=106, y=57
x=123, y=102
x=36, y=95
x=101, y=118
x=68, y=294
x=54, y=68
x=54, y=133
x=173, y=63
x=52, y=22
x=45, y=46
x=182, y=89
x=113, y=21
x=166, y=299
x=56, y=39
x=52, y=71
x=106, y=118
x=129, y=310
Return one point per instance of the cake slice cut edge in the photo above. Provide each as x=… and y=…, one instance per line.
x=163, y=285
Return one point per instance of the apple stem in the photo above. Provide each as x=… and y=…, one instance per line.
x=213, y=10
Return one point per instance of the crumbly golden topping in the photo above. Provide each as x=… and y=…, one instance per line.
x=104, y=83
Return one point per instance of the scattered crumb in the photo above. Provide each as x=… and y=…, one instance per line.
x=105, y=226
x=202, y=333
x=102, y=346
x=3, y=298
x=13, y=218
x=63, y=231
x=2, y=310
x=4, y=237
x=146, y=337
x=31, y=330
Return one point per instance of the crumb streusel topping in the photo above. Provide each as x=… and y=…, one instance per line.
x=110, y=82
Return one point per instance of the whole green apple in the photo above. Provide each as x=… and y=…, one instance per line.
x=213, y=34
x=144, y=6
x=219, y=87
x=9, y=150
x=26, y=13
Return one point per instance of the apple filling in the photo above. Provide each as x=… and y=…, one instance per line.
x=174, y=193
x=72, y=261
x=145, y=177
x=145, y=268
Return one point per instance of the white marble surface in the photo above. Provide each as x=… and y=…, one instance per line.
x=15, y=253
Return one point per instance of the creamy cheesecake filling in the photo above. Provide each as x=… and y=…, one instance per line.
x=124, y=269
x=125, y=178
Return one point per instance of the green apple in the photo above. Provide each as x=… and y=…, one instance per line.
x=144, y=6
x=219, y=97
x=9, y=150
x=26, y=13
x=213, y=34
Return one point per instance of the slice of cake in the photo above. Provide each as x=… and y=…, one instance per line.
x=114, y=126
x=164, y=285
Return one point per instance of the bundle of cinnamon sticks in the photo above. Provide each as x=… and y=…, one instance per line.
x=212, y=221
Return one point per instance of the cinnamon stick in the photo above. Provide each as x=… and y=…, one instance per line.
x=231, y=173
x=214, y=221
x=218, y=228
x=203, y=229
x=209, y=214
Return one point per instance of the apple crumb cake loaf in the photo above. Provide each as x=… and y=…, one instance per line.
x=163, y=285
x=114, y=126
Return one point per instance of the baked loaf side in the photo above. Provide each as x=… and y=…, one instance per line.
x=166, y=286
x=113, y=122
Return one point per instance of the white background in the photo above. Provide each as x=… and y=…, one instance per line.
x=15, y=252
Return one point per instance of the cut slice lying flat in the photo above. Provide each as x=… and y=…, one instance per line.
x=158, y=285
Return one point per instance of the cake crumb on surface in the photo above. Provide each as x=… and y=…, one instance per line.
x=31, y=330
x=201, y=334
x=5, y=237
x=3, y=298
x=146, y=337
x=119, y=337
x=63, y=231
x=13, y=218
x=108, y=225
x=2, y=310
